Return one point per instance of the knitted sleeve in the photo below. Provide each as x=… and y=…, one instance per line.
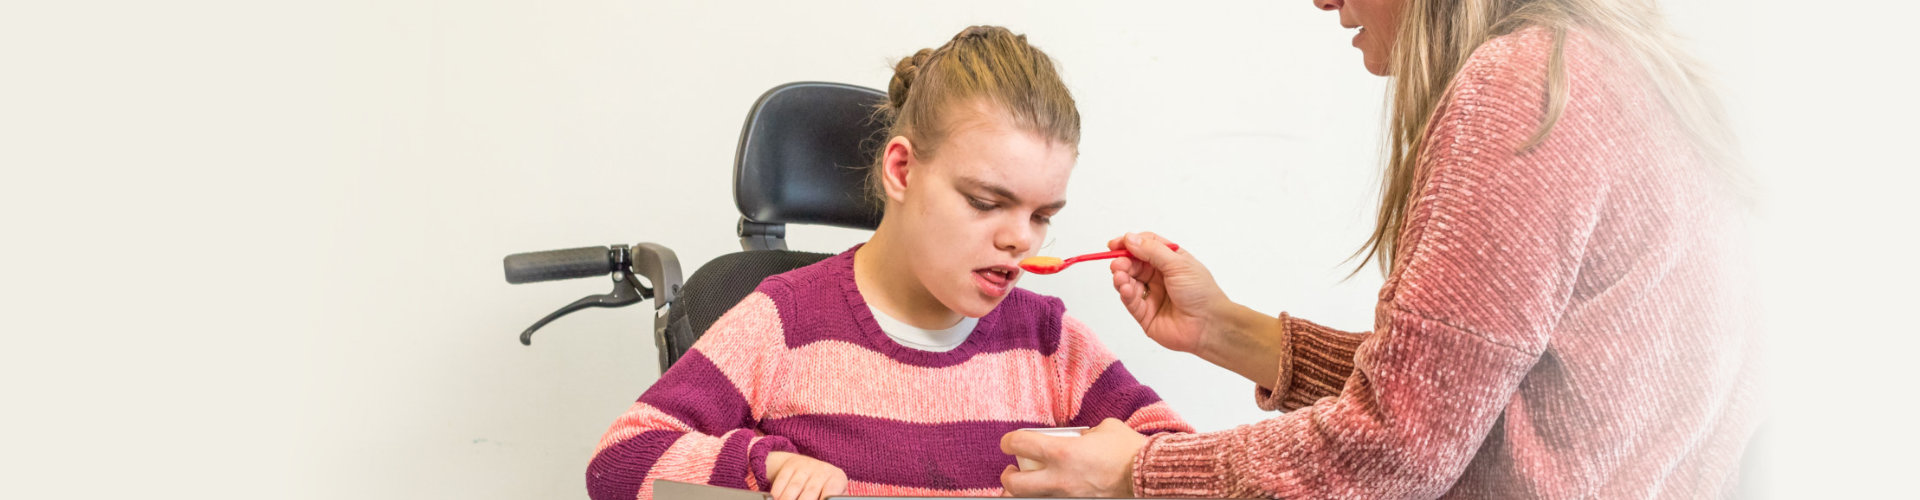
x=1096, y=387
x=696, y=424
x=1318, y=362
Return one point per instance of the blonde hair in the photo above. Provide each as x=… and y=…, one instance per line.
x=987, y=65
x=1437, y=36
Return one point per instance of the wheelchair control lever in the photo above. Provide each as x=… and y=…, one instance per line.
x=626, y=291
x=623, y=263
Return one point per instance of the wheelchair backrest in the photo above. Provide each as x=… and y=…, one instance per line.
x=802, y=159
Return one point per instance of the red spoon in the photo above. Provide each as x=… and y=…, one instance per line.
x=1050, y=265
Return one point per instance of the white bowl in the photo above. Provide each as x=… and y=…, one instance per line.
x=1031, y=465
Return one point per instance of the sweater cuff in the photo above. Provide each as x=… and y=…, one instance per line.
x=757, y=459
x=1181, y=465
x=1320, y=360
x=1271, y=399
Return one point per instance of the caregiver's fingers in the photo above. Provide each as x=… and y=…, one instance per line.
x=1130, y=264
x=1132, y=297
x=1028, y=444
x=1125, y=278
x=1136, y=268
x=1151, y=248
x=1133, y=269
x=1129, y=289
x=1026, y=483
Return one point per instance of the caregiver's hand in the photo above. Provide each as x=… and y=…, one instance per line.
x=1099, y=463
x=1179, y=305
x=1168, y=292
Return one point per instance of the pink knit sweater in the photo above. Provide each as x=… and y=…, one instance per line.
x=1566, y=322
x=801, y=366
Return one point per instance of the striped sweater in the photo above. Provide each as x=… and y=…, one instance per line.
x=801, y=366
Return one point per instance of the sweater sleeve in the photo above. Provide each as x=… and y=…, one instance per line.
x=697, y=423
x=1318, y=363
x=1097, y=387
x=1493, y=244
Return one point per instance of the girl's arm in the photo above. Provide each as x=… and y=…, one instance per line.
x=1097, y=387
x=696, y=424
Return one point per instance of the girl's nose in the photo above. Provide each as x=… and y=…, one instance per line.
x=1329, y=4
x=1017, y=238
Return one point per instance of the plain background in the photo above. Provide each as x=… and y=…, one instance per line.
x=253, y=248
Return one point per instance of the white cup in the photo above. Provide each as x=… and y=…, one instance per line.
x=1030, y=465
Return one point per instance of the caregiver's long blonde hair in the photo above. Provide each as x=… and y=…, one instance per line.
x=1437, y=36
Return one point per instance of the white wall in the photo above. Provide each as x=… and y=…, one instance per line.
x=254, y=247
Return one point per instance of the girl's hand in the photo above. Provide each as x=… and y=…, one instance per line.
x=799, y=477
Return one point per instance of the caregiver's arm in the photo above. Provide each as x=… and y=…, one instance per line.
x=1178, y=304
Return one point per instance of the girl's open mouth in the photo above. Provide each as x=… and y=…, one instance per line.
x=995, y=280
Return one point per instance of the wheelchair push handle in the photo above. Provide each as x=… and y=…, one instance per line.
x=551, y=265
x=624, y=264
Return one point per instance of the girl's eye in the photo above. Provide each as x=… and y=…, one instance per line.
x=980, y=205
x=1042, y=219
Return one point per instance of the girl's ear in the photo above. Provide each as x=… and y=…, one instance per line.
x=895, y=166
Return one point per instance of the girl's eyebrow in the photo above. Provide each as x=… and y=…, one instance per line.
x=969, y=183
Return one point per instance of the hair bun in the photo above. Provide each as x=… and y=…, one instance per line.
x=903, y=75
x=979, y=32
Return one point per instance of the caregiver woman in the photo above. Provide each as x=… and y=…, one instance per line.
x=1562, y=314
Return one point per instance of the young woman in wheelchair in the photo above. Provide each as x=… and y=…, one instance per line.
x=895, y=368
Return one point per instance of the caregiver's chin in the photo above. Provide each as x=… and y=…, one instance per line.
x=1378, y=22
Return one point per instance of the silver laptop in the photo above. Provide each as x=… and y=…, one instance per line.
x=675, y=490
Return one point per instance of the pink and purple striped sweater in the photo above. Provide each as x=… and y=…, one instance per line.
x=801, y=366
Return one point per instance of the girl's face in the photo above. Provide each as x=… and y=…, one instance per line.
x=1379, y=23
x=971, y=212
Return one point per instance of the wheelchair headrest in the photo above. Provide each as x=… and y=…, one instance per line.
x=804, y=153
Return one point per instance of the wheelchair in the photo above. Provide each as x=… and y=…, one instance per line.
x=801, y=160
